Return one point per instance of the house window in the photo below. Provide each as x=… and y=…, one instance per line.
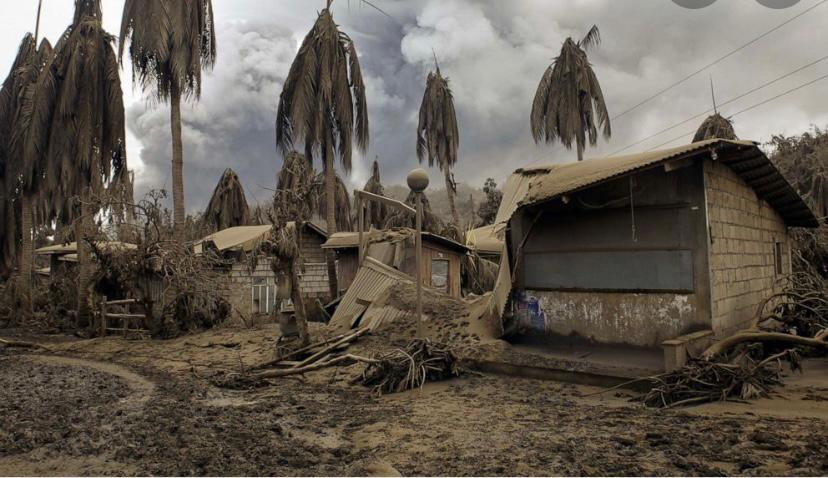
x=439, y=274
x=263, y=295
x=777, y=258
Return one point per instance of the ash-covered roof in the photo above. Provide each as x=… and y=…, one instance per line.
x=535, y=185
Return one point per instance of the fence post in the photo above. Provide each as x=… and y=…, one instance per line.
x=103, y=317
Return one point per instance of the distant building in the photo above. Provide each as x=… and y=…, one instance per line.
x=249, y=284
x=389, y=263
x=396, y=248
x=642, y=249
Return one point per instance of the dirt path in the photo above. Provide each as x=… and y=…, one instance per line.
x=86, y=416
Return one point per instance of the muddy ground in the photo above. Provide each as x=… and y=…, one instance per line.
x=113, y=407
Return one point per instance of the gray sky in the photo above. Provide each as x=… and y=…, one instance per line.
x=494, y=52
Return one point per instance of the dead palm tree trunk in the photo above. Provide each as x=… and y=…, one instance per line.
x=330, y=217
x=26, y=227
x=177, y=162
x=82, y=226
x=451, y=190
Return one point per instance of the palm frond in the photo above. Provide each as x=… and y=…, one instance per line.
x=228, y=204
x=323, y=100
x=378, y=212
x=591, y=39
x=77, y=121
x=569, y=105
x=438, y=136
x=171, y=42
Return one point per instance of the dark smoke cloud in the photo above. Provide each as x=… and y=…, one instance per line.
x=494, y=53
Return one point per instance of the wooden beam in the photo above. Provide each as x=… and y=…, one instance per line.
x=387, y=201
x=675, y=164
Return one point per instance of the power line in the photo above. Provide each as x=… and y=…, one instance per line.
x=761, y=103
x=718, y=60
x=749, y=92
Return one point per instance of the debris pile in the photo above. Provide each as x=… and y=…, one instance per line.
x=801, y=308
x=701, y=381
x=748, y=365
x=409, y=368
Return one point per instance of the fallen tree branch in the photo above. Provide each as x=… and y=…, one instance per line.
x=327, y=362
x=724, y=345
x=23, y=344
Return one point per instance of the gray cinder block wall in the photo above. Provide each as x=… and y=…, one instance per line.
x=745, y=233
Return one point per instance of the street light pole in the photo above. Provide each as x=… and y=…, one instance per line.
x=418, y=182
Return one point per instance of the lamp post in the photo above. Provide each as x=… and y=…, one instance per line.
x=418, y=182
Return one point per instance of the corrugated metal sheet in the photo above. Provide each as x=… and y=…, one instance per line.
x=350, y=240
x=503, y=285
x=243, y=237
x=485, y=240
x=370, y=285
x=534, y=185
x=72, y=248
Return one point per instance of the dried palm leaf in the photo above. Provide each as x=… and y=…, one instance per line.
x=171, y=42
x=378, y=212
x=437, y=134
x=10, y=97
x=228, y=205
x=715, y=126
x=569, y=105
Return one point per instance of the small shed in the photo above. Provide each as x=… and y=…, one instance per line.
x=396, y=248
x=640, y=249
x=249, y=283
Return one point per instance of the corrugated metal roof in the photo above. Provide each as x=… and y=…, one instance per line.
x=350, y=240
x=535, y=185
x=370, y=285
x=244, y=238
x=72, y=248
x=485, y=240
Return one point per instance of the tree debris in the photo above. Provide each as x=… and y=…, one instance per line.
x=700, y=381
x=406, y=369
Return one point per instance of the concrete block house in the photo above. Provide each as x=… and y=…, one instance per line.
x=248, y=282
x=649, y=248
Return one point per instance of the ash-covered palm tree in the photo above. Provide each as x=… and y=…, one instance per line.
x=377, y=212
x=77, y=126
x=323, y=108
x=715, y=126
x=10, y=96
x=172, y=41
x=437, y=134
x=228, y=205
x=26, y=173
x=341, y=202
x=569, y=105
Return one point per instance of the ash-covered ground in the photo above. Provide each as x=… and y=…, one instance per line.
x=112, y=406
